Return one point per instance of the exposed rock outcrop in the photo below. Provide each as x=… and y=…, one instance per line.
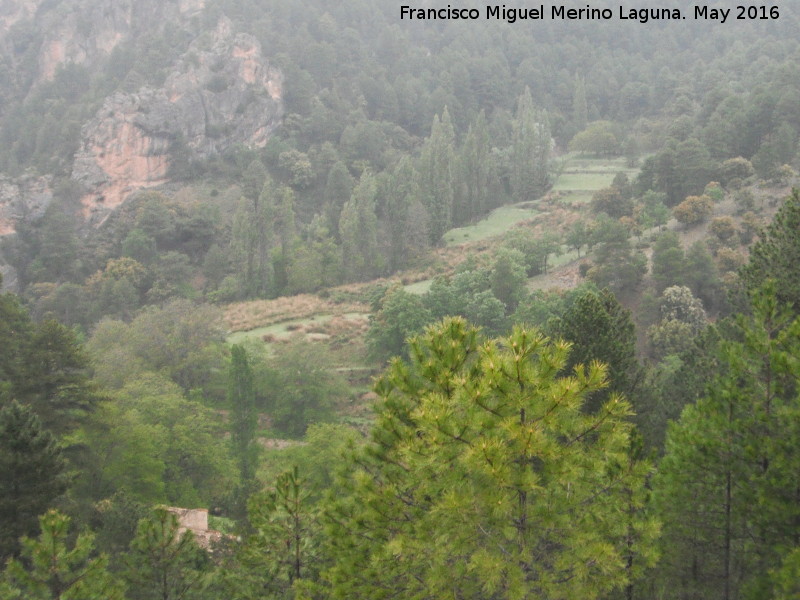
x=14, y=11
x=85, y=31
x=22, y=199
x=222, y=93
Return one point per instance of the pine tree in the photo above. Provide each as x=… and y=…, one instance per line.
x=486, y=479
x=777, y=255
x=727, y=487
x=283, y=548
x=601, y=329
x=32, y=474
x=53, y=571
x=165, y=563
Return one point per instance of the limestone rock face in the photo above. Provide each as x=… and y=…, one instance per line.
x=221, y=93
x=22, y=199
x=85, y=31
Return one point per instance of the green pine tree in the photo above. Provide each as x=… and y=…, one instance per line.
x=485, y=478
x=777, y=255
x=165, y=563
x=32, y=474
x=51, y=570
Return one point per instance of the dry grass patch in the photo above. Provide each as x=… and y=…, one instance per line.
x=243, y=316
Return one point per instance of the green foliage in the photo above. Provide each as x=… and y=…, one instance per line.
x=777, y=255
x=157, y=446
x=600, y=329
x=244, y=420
x=358, y=230
x=298, y=387
x=180, y=339
x=669, y=261
x=284, y=546
x=616, y=267
x=725, y=487
x=599, y=138
x=165, y=563
x=319, y=457
x=44, y=366
x=252, y=240
x=400, y=315
x=484, y=477
x=508, y=277
x=530, y=151
x=654, y=212
x=52, y=570
x=436, y=183
x=32, y=474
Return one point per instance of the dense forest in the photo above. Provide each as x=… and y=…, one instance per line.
x=309, y=301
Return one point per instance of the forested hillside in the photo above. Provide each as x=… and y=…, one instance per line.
x=308, y=300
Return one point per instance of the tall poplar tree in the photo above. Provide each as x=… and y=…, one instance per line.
x=241, y=398
x=475, y=175
x=530, y=151
x=436, y=175
x=580, y=111
x=252, y=240
x=358, y=230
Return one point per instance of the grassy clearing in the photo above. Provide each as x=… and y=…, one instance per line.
x=499, y=221
x=419, y=288
x=588, y=180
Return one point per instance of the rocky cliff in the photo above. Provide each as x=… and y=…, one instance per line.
x=86, y=31
x=221, y=93
x=24, y=198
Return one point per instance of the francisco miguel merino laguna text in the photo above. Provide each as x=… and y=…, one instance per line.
x=511, y=15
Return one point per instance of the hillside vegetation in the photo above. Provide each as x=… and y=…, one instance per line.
x=398, y=308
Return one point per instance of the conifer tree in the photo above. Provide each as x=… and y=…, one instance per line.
x=601, y=329
x=32, y=474
x=727, y=487
x=283, y=547
x=53, y=571
x=486, y=479
x=165, y=563
x=777, y=255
